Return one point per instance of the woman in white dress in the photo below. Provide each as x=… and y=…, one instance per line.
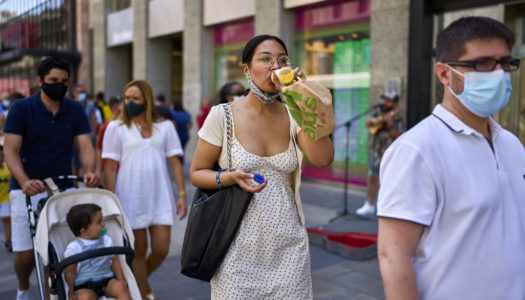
x=138, y=145
x=269, y=257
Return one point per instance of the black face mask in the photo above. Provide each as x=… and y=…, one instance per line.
x=55, y=91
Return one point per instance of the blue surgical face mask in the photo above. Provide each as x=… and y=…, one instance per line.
x=82, y=97
x=6, y=103
x=484, y=93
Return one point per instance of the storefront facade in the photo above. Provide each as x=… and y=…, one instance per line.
x=357, y=48
x=329, y=40
x=137, y=40
x=332, y=45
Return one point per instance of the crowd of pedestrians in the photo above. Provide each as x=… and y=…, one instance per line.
x=451, y=189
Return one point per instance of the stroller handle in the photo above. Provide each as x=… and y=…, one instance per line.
x=90, y=254
x=68, y=177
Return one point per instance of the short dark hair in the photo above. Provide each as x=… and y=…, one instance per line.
x=100, y=96
x=51, y=63
x=161, y=98
x=225, y=91
x=450, y=43
x=249, y=48
x=16, y=96
x=177, y=105
x=80, y=216
x=113, y=101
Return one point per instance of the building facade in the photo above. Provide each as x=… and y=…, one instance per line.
x=29, y=31
x=188, y=49
x=357, y=48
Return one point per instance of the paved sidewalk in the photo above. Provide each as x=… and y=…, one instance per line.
x=333, y=276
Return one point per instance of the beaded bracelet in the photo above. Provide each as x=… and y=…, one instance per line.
x=217, y=178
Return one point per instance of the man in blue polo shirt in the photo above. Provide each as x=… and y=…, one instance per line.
x=39, y=133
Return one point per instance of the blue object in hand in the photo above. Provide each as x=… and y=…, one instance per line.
x=258, y=178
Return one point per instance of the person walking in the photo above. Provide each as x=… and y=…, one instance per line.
x=452, y=195
x=115, y=105
x=269, y=256
x=385, y=125
x=39, y=133
x=184, y=124
x=5, y=206
x=162, y=109
x=230, y=92
x=140, y=141
x=6, y=104
x=203, y=112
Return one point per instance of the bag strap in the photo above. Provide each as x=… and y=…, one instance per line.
x=229, y=133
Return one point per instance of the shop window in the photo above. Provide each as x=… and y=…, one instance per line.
x=332, y=45
x=229, y=41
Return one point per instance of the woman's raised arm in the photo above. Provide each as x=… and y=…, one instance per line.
x=320, y=153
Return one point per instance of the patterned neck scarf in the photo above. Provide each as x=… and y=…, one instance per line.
x=264, y=97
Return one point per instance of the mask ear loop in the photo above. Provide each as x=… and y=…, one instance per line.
x=457, y=72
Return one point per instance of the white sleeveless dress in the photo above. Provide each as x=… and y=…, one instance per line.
x=269, y=258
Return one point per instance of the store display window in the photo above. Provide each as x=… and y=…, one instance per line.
x=229, y=41
x=332, y=45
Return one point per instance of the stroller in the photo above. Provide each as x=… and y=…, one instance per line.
x=52, y=235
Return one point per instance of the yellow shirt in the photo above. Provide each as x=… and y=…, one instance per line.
x=5, y=179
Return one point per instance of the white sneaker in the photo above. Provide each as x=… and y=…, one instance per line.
x=366, y=210
x=22, y=295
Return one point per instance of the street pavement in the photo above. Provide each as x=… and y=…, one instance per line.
x=333, y=276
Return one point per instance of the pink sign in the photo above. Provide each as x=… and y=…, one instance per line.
x=336, y=12
x=233, y=32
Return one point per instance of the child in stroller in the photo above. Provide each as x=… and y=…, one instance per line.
x=53, y=234
x=98, y=276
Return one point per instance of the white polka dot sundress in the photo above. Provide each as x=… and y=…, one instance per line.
x=269, y=258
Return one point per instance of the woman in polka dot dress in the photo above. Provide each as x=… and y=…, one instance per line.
x=269, y=257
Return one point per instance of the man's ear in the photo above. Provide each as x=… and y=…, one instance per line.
x=39, y=81
x=82, y=231
x=443, y=73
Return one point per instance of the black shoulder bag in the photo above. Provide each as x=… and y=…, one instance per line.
x=214, y=219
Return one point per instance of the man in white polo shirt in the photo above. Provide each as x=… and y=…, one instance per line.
x=452, y=199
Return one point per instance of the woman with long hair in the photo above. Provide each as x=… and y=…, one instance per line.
x=269, y=257
x=141, y=141
x=230, y=92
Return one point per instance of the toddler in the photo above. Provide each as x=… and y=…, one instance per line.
x=98, y=276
